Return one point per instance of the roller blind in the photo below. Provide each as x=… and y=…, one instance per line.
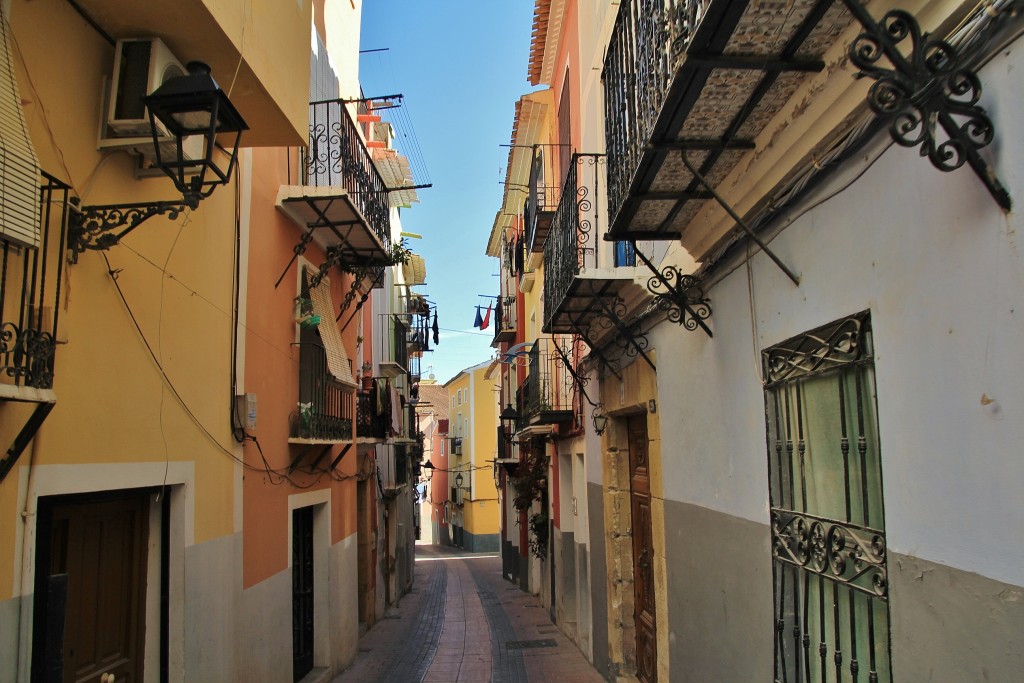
x=323, y=306
x=19, y=167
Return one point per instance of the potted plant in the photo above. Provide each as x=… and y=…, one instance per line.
x=367, y=377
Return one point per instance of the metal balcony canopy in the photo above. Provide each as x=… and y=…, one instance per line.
x=334, y=220
x=731, y=67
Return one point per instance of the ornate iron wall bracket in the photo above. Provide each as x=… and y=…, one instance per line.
x=101, y=227
x=595, y=351
x=931, y=87
x=634, y=341
x=679, y=295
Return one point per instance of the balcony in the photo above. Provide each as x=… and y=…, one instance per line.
x=547, y=393
x=545, y=193
x=325, y=411
x=342, y=204
x=394, y=348
x=582, y=281
x=700, y=78
x=505, y=320
x=370, y=425
x=456, y=445
x=31, y=278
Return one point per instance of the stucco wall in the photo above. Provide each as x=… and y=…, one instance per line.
x=939, y=267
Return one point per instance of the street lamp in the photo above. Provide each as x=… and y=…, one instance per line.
x=600, y=419
x=195, y=112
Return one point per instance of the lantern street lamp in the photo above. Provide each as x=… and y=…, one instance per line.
x=188, y=117
x=600, y=419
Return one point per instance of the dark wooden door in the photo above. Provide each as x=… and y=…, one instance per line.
x=643, y=553
x=302, y=592
x=101, y=549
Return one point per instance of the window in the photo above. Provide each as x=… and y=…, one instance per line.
x=828, y=531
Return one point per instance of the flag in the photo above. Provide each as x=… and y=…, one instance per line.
x=479, y=321
x=487, y=318
x=436, y=330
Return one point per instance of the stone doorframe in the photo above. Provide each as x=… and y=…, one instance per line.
x=636, y=393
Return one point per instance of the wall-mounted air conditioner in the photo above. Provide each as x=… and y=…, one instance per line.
x=141, y=65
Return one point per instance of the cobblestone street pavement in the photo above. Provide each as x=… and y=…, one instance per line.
x=463, y=623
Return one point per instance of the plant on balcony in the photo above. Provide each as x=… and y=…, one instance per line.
x=305, y=420
x=398, y=253
x=304, y=313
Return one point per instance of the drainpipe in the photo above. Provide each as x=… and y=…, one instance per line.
x=28, y=513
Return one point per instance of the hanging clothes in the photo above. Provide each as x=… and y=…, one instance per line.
x=437, y=330
x=520, y=256
x=396, y=412
x=487, y=318
x=498, y=308
x=479, y=320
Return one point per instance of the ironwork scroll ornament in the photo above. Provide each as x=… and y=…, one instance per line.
x=26, y=355
x=929, y=89
x=837, y=344
x=679, y=295
x=846, y=553
x=93, y=227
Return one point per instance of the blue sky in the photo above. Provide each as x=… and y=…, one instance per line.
x=461, y=66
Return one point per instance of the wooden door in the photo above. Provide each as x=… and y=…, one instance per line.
x=101, y=549
x=643, y=552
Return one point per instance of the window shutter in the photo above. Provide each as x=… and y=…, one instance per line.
x=19, y=167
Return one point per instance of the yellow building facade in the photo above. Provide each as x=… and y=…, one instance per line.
x=473, y=423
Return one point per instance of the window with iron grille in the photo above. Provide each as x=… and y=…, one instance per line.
x=828, y=530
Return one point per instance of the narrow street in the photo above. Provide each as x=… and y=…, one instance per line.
x=463, y=622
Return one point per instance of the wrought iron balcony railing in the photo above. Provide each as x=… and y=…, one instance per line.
x=647, y=45
x=575, y=229
x=370, y=424
x=30, y=285
x=325, y=408
x=337, y=157
x=545, y=193
x=548, y=390
x=505, y=316
x=456, y=445
x=394, y=347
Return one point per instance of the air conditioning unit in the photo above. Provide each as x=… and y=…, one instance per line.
x=141, y=65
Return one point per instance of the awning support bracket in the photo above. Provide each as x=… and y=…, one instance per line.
x=739, y=221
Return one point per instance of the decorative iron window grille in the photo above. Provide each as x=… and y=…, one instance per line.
x=828, y=530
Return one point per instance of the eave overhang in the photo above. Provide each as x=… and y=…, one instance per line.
x=262, y=82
